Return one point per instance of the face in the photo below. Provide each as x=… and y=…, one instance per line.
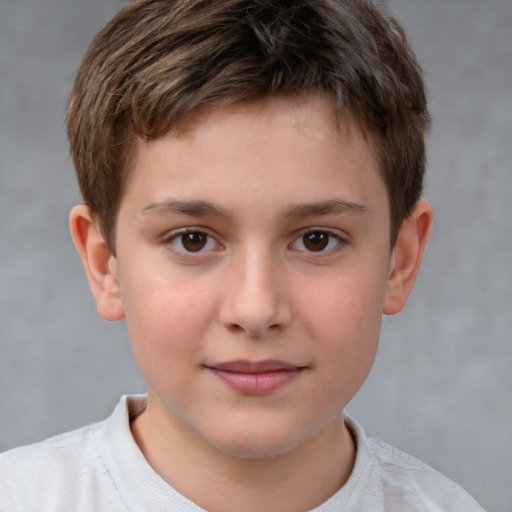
x=252, y=255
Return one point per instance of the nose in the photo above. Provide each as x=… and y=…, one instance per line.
x=256, y=298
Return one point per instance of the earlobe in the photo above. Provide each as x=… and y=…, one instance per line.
x=100, y=264
x=407, y=257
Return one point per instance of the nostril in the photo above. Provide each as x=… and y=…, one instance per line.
x=253, y=331
x=235, y=328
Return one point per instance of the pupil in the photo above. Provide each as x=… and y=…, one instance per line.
x=316, y=241
x=193, y=242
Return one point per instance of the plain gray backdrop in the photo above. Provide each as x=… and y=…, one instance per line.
x=441, y=387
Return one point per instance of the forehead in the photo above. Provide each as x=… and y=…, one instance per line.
x=304, y=111
x=313, y=114
x=294, y=139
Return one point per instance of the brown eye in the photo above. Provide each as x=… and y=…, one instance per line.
x=194, y=242
x=316, y=241
x=187, y=241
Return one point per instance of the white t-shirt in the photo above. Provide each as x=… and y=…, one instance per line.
x=100, y=468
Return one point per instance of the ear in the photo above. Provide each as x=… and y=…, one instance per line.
x=100, y=264
x=407, y=257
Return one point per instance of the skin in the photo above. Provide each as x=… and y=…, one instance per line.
x=288, y=221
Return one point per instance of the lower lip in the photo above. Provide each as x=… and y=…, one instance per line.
x=257, y=384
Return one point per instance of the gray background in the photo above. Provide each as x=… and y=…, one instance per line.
x=441, y=388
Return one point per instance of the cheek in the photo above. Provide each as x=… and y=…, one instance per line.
x=346, y=324
x=166, y=322
x=348, y=307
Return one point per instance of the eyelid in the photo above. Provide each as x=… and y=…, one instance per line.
x=173, y=235
x=340, y=236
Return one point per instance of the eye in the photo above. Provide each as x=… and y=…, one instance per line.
x=192, y=241
x=317, y=241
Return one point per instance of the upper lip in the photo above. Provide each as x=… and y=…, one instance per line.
x=242, y=366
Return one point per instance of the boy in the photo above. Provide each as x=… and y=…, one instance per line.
x=251, y=174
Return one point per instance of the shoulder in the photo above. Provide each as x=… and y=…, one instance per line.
x=63, y=450
x=68, y=471
x=407, y=480
x=385, y=479
x=33, y=476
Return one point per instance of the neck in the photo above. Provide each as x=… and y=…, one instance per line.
x=302, y=478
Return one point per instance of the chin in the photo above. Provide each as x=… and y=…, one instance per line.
x=251, y=442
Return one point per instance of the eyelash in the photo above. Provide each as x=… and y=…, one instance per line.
x=206, y=242
x=179, y=237
x=330, y=238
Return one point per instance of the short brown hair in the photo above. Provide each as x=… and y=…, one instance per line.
x=157, y=62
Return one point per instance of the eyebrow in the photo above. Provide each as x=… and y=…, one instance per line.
x=194, y=208
x=200, y=208
x=325, y=208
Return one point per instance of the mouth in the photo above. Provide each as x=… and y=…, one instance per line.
x=256, y=378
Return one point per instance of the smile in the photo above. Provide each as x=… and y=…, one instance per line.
x=256, y=379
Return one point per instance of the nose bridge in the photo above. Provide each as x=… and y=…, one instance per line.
x=255, y=300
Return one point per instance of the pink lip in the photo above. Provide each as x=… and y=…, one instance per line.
x=256, y=378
